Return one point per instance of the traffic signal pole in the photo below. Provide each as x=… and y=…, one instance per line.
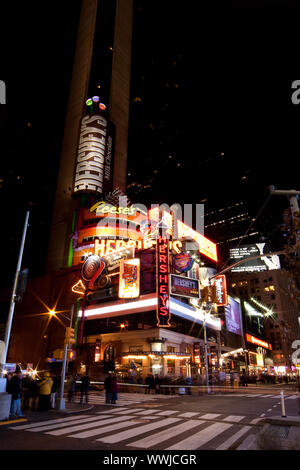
x=60, y=403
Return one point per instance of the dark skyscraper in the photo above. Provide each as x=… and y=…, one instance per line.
x=101, y=67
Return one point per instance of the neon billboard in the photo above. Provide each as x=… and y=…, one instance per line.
x=162, y=283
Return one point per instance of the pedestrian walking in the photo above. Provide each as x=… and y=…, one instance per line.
x=108, y=388
x=84, y=388
x=15, y=388
x=71, y=388
x=54, y=389
x=114, y=389
x=45, y=392
x=188, y=381
x=149, y=381
x=157, y=382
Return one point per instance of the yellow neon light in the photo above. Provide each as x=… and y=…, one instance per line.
x=79, y=287
x=206, y=247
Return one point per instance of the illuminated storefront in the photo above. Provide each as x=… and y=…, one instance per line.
x=141, y=291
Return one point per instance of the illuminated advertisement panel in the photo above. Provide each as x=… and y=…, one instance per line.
x=184, y=286
x=243, y=252
x=206, y=247
x=129, y=278
x=162, y=283
x=259, y=342
x=94, y=156
x=221, y=290
x=233, y=316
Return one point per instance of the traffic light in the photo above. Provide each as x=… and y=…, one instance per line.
x=208, y=294
x=70, y=336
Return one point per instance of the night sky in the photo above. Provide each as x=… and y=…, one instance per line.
x=211, y=117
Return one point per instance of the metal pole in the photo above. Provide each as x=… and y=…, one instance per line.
x=206, y=358
x=71, y=321
x=282, y=405
x=12, y=302
x=60, y=404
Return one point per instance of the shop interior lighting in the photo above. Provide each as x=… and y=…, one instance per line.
x=135, y=357
x=170, y=356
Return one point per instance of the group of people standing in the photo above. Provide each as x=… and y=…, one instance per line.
x=71, y=387
x=31, y=393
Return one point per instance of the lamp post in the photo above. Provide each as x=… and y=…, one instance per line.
x=60, y=403
x=13, y=296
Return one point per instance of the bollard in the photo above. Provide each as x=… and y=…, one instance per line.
x=282, y=405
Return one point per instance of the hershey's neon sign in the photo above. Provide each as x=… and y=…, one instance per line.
x=162, y=275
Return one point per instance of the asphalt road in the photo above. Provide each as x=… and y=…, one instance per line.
x=140, y=422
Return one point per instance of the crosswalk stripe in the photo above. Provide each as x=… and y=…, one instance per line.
x=61, y=425
x=188, y=414
x=115, y=410
x=165, y=435
x=131, y=410
x=147, y=412
x=121, y=436
x=200, y=438
x=94, y=424
x=98, y=431
x=268, y=396
x=292, y=397
x=256, y=420
x=209, y=416
x=234, y=418
x=49, y=421
x=228, y=443
x=167, y=413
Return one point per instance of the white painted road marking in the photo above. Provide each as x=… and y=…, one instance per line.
x=228, y=443
x=165, y=435
x=200, y=438
x=49, y=421
x=234, y=418
x=210, y=416
x=139, y=430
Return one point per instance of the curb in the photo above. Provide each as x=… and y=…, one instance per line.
x=78, y=410
x=279, y=420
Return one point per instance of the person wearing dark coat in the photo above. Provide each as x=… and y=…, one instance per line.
x=84, y=388
x=108, y=388
x=15, y=388
x=54, y=389
x=114, y=389
x=150, y=382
